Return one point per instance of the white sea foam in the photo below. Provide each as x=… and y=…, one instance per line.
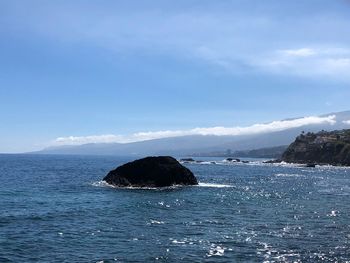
x=289, y=175
x=333, y=213
x=227, y=161
x=178, y=242
x=206, y=162
x=157, y=222
x=262, y=163
x=214, y=185
x=216, y=251
x=284, y=164
x=105, y=184
x=102, y=184
x=298, y=165
x=276, y=255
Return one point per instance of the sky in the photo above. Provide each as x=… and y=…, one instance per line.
x=99, y=71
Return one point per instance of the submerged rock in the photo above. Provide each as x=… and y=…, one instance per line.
x=151, y=172
x=310, y=165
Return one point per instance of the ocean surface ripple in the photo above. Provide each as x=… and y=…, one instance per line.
x=57, y=209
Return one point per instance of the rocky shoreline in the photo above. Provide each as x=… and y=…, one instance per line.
x=322, y=148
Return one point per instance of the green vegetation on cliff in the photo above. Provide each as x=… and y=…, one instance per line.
x=320, y=148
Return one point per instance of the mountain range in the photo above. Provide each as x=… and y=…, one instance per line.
x=203, y=144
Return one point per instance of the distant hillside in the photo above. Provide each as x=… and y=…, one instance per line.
x=320, y=148
x=199, y=144
x=270, y=152
x=273, y=152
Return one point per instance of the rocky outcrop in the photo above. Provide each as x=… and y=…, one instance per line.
x=232, y=160
x=159, y=171
x=273, y=161
x=331, y=148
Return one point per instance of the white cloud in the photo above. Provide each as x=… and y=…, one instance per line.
x=332, y=63
x=76, y=140
x=218, y=131
x=347, y=122
x=301, y=52
x=232, y=36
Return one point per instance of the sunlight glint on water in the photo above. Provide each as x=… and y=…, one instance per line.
x=56, y=208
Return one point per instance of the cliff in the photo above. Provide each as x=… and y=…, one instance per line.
x=320, y=148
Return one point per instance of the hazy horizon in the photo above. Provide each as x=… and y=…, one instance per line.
x=128, y=70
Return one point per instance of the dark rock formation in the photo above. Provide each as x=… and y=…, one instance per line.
x=331, y=148
x=151, y=172
x=273, y=161
x=310, y=165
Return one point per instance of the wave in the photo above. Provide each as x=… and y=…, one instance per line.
x=102, y=184
x=216, y=250
x=214, y=185
x=261, y=163
x=105, y=184
x=288, y=175
x=199, y=162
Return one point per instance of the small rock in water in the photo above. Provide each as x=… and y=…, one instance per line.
x=233, y=160
x=310, y=165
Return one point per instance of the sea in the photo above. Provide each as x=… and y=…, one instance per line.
x=56, y=208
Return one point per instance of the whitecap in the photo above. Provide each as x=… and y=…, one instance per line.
x=157, y=222
x=288, y=175
x=101, y=184
x=333, y=213
x=105, y=184
x=178, y=242
x=216, y=251
x=214, y=185
x=206, y=162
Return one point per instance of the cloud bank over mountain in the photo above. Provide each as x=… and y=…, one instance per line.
x=274, y=126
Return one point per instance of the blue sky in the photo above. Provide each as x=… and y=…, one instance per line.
x=92, y=68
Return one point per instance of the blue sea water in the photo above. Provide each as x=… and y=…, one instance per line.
x=56, y=209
